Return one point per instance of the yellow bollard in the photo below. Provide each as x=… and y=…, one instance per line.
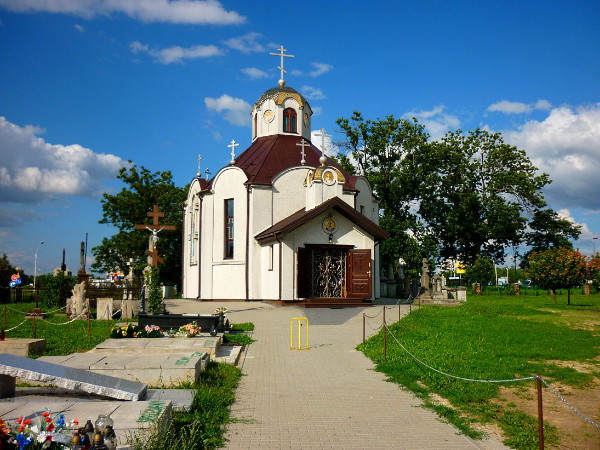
x=302, y=321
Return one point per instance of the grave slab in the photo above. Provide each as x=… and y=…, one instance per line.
x=153, y=368
x=206, y=344
x=130, y=418
x=70, y=378
x=23, y=347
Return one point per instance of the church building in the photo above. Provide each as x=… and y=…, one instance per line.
x=281, y=221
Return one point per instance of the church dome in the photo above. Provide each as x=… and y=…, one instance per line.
x=279, y=94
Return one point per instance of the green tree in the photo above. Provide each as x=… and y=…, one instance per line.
x=383, y=152
x=130, y=207
x=594, y=267
x=476, y=193
x=558, y=268
x=482, y=271
x=55, y=289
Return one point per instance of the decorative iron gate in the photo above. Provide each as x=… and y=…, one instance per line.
x=328, y=269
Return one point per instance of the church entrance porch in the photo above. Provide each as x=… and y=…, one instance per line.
x=333, y=272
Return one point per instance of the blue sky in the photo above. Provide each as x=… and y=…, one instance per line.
x=86, y=85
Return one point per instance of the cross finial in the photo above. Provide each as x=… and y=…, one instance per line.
x=323, y=158
x=207, y=173
x=282, y=55
x=303, y=144
x=199, y=159
x=233, y=145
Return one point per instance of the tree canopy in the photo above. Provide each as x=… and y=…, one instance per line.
x=130, y=207
x=465, y=196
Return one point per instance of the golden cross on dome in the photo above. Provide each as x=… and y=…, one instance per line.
x=282, y=55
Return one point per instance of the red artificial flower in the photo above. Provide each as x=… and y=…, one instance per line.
x=76, y=422
x=48, y=419
x=50, y=427
x=27, y=422
x=20, y=419
x=45, y=414
x=21, y=428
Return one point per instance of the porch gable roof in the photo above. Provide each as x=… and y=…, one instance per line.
x=303, y=216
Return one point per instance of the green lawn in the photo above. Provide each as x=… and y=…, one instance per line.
x=489, y=338
x=60, y=339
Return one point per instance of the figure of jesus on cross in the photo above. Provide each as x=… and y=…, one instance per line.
x=155, y=228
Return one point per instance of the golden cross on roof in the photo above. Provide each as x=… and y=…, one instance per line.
x=282, y=55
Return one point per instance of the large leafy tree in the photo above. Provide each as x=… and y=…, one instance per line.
x=130, y=207
x=383, y=151
x=464, y=196
x=558, y=268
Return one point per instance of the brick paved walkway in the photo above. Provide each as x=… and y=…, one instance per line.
x=328, y=397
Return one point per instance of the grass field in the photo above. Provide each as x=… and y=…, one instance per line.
x=496, y=337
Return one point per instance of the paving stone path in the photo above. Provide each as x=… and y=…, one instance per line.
x=328, y=397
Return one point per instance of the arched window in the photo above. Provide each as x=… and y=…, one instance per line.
x=289, y=120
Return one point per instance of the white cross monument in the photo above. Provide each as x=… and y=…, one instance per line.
x=323, y=158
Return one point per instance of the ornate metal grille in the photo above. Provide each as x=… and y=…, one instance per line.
x=328, y=268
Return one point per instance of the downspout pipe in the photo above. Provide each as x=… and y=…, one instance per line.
x=247, y=242
x=280, y=261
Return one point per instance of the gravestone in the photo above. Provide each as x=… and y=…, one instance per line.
x=425, y=292
x=23, y=346
x=69, y=378
x=477, y=288
x=77, y=305
x=586, y=289
x=104, y=308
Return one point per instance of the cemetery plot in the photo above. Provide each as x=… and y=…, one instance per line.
x=172, y=345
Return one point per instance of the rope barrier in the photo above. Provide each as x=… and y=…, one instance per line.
x=117, y=311
x=455, y=376
x=376, y=315
x=16, y=326
x=562, y=399
x=64, y=323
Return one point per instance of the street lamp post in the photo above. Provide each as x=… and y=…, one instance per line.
x=35, y=266
x=594, y=239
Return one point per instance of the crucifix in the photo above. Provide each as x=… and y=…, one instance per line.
x=207, y=173
x=233, y=145
x=303, y=144
x=282, y=55
x=199, y=159
x=322, y=136
x=154, y=228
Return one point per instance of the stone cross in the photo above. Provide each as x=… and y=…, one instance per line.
x=322, y=136
x=303, y=144
x=155, y=228
x=199, y=159
x=233, y=145
x=282, y=55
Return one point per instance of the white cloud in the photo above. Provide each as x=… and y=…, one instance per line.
x=199, y=12
x=255, y=73
x=246, y=44
x=507, y=107
x=32, y=170
x=317, y=111
x=436, y=121
x=175, y=54
x=79, y=28
x=319, y=69
x=237, y=111
x=313, y=93
x=566, y=145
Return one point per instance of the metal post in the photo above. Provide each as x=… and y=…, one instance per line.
x=540, y=413
x=34, y=325
x=89, y=324
x=384, y=342
x=364, y=319
x=108, y=316
x=384, y=314
x=399, y=315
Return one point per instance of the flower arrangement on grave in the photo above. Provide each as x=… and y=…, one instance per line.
x=190, y=329
x=124, y=331
x=42, y=431
x=221, y=310
x=150, y=331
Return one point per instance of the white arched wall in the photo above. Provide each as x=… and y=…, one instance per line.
x=190, y=264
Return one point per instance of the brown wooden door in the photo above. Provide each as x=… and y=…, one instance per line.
x=303, y=273
x=359, y=273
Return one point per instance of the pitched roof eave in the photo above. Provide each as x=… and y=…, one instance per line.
x=302, y=217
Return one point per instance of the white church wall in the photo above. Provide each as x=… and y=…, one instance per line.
x=190, y=215
x=365, y=199
x=288, y=191
x=229, y=279
x=206, y=246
